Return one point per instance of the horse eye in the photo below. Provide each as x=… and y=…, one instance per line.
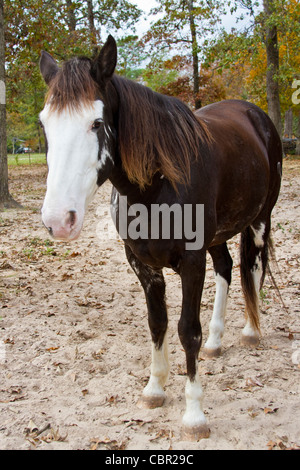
x=96, y=124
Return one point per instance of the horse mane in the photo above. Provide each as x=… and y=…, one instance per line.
x=157, y=133
x=72, y=86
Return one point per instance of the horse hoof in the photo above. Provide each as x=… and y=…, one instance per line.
x=148, y=402
x=195, y=433
x=252, y=341
x=211, y=353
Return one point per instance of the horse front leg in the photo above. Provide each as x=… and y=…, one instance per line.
x=153, y=283
x=192, y=273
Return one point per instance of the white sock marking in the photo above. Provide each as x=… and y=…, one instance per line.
x=159, y=371
x=194, y=415
x=216, y=326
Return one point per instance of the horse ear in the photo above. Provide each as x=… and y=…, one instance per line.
x=48, y=67
x=105, y=64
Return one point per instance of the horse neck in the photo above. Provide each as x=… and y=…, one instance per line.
x=134, y=194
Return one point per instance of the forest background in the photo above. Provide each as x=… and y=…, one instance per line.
x=185, y=51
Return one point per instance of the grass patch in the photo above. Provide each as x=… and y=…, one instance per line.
x=22, y=159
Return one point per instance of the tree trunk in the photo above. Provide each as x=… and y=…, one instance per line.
x=298, y=136
x=5, y=199
x=288, y=124
x=93, y=31
x=272, y=67
x=196, y=77
x=71, y=17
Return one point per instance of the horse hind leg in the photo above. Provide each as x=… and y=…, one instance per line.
x=154, y=287
x=222, y=265
x=254, y=259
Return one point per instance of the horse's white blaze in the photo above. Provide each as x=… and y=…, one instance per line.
x=159, y=371
x=73, y=166
x=217, y=323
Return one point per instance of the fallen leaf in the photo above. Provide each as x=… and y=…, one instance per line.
x=54, y=435
x=6, y=265
x=31, y=428
x=136, y=422
x=112, y=399
x=271, y=445
x=163, y=434
x=270, y=410
x=9, y=341
x=252, y=413
x=66, y=276
x=250, y=382
x=110, y=444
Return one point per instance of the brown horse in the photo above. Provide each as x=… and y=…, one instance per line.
x=206, y=176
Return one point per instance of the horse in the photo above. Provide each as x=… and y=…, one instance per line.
x=225, y=158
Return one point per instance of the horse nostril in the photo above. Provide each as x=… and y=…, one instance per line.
x=72, y=218
x=50, y=230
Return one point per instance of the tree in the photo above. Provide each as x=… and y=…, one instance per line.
x=93, y=15
x=267, y=55
x=272, y=75
x=64, y=28
x=5, y=198
x=130, y=57
x=172, y=77
x=185, y=24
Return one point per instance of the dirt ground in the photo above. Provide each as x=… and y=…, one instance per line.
x=75, y=346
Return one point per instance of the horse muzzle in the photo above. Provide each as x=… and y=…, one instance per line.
x=66, y=226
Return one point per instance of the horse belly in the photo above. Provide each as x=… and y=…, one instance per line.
x=239, y=208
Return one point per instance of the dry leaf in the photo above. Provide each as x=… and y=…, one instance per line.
x=270, y=410
x=31, y=428
x=112, y=399
x=250, y=382
x=279, y=443
x=252, y=413
x=66, y=276
x=6, y=265
x=54, y=435
x=163, y=434
x=138, y=422
x=109, y=444
x=271, y=445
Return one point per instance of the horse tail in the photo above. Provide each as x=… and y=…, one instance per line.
x=251, y=284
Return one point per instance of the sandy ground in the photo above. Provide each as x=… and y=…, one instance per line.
x=75, y=346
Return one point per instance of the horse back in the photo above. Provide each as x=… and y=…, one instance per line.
x=244, y=161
